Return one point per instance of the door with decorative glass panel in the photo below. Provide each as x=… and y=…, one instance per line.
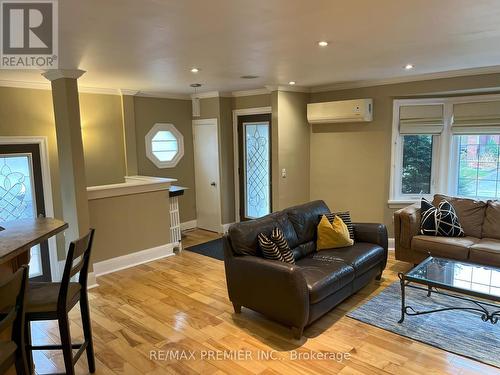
x=254, y=143
x=21, y=197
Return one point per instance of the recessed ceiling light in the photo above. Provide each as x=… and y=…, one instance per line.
x=409, y=66
x=195, y=85
x=291, y=83
x=322, y=43
x=195, y=70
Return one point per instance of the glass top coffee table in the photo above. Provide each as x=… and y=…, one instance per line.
x=471, y=285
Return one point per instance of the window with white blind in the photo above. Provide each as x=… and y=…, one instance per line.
x=446, y=145
x=164, y=145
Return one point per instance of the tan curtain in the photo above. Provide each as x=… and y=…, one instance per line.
x=421, y=119
x=476, y=118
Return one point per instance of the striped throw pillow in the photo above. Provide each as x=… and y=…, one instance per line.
x=346, y=218
x=269, y=249
x=279, y=239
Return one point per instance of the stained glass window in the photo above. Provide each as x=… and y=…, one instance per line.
x=257, y=170
x=17, y=198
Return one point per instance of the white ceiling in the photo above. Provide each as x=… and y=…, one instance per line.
x=150, y=45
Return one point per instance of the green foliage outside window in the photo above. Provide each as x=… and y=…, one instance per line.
x=417, y=164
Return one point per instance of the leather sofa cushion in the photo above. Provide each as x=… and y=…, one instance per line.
x=324, y=278
x=491, y=225
x=288, y=230
x=305, y=219
x=470, y=212
x=243, y=235
x=486, y=251
x=303, y=250
x=361, y=256
x=449, y=247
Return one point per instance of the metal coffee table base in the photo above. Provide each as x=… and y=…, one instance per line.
x=492, y=314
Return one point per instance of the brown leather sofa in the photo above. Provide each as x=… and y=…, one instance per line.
x=480, y=221
x=298, y=294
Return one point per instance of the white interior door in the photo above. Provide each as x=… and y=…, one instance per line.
x=207, y=178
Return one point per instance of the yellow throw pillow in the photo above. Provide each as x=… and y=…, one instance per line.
x=331, y=236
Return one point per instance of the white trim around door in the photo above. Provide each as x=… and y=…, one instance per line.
x=236, y=114
x=47, y=190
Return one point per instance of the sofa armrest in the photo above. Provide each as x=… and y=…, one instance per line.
x=407, y=225
x=274, y=288
x=371, y=233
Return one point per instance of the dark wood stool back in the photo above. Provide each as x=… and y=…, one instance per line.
x=12, y=305
x=61, y=298
x=77, y=261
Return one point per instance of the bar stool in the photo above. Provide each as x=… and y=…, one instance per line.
x=53, y=301
x=12, y=303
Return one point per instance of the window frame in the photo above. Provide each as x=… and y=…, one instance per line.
x=398, y=172
x=444, y=154
x=158, y=127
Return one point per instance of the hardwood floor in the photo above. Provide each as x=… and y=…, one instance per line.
x=180, y=303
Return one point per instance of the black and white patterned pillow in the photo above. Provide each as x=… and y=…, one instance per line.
x=346, y=218
x=279, y=239
x=269, y=249
x=439, y=221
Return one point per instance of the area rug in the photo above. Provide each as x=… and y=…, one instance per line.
x=213, y=249
x=459, y=332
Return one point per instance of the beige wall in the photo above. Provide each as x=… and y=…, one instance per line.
x=29, y=112
x=129, y=223
x=209, y=108
x=350, y=163
x=253, y=101
x=149, y=111
x=293, y=132
x=102, y=133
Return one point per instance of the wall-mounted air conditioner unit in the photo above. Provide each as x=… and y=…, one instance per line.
x=359, y=110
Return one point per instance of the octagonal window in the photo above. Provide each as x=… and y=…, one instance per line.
x=164, y=145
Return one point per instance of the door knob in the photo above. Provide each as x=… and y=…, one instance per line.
x=213, y=184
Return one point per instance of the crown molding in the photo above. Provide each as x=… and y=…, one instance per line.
x=46, y=86
x=25, y=85
x=163, y=95
x=302, y=89
x=54, y=74
x=412, y=78
x=125, y=92
x=263, y=91
x=211, y=94
x=205, y=95
x=98, y=90
x=94, y=90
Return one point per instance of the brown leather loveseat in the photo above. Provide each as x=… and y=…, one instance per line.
x=298, y=294
x=480, y=221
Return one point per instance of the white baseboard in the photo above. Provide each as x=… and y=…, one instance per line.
x=134, y=259
x=225, y=227
x=392, y=243
x=125, y=261
x=91, y=281
x=189, y=225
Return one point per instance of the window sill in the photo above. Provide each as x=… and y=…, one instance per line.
x=393, y=203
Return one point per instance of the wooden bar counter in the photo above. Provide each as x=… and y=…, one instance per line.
x=18, y=237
